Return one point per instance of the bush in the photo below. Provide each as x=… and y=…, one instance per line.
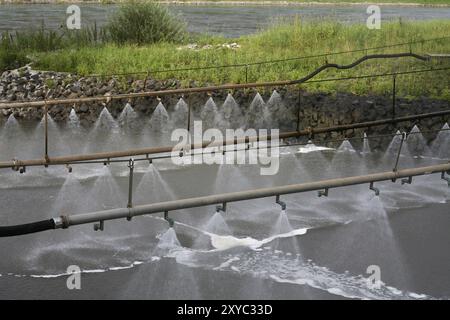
x=11, y=59
x=145, y=23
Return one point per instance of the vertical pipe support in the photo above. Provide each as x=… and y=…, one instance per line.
x=246, y=73
x=281, y=203
x=298, y=108
x=189, y=115
x=323, y=193
x=46, y=133
x=169, y=220
x=222, y=207
x=393, y=96
x=443, y=177
x=399, y=153
x=130, y=183
x=376, y=190
x=145, y=80
x=99, y=226
x=407, y=180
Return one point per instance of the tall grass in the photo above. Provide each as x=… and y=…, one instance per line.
x=283, y=39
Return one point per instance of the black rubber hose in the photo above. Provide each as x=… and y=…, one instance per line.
x=22, y=229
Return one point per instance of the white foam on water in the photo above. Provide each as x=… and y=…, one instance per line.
x=227, y=242
x=311, y=147
x=279, y=267
x=86, y=271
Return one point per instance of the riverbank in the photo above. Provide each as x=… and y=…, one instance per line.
x=410, y=3
x=283, y=41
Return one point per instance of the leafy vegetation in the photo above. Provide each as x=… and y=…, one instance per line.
x=141, y=22
x=111, y=51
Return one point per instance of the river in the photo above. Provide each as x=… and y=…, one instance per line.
x=229, y=21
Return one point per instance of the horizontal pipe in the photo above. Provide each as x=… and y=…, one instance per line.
x=67, y=102
x=66, y=221
x=77, y=219
x=165, y=149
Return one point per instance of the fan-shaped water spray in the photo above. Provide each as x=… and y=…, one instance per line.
x=217, y=225
x=366, y=145
x=210, y=115
x=159, y=119
x=282, y=225
x=70, y=197
x=396, y=149
x=279, y=116
x=12, y=138
x=347, y=162
x=128, y=119
x=416, y=143
x=56, y=144
x=256, y=113
x=103, y=134
x=105, y=193
x=180, y=114
x=75, y=135
x=231, y=112
x=11, y=127
x=105, y=121
x=153, y=188
x=441, y=145
x=73, y=121
x=167, y=244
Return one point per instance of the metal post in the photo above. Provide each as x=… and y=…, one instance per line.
x=130, y=183
x=298, y=108
x=246, y=74
x=145, y=80
x=399, y=152
x=189, y=115
x=46, y=133
x=393, y=96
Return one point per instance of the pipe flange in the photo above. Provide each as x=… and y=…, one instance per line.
x=130, y=214
x=65, y=222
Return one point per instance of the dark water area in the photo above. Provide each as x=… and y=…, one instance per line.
x=229, y=21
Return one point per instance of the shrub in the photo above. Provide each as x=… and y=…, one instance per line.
x=144, y=23
x=11, y=59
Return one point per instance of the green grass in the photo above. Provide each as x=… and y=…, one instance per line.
x=90, y=51
x=282, y=40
